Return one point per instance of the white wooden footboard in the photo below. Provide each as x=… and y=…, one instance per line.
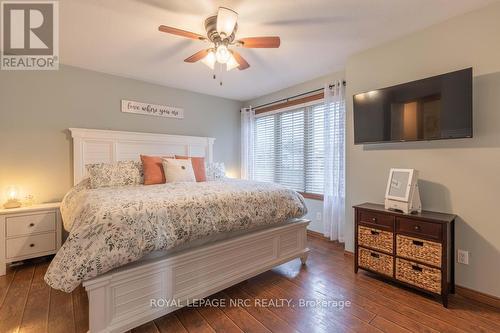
x=121, y=299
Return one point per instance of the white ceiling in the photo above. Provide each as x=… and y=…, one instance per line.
x=121, y=37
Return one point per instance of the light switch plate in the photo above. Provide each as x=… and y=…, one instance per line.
x=463, y=257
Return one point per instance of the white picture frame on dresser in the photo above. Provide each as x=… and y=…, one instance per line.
x=29, y=232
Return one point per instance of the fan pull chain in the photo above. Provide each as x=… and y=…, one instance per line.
x=222, y=70
x=218, y=68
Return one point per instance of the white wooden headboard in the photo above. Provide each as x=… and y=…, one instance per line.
x=103, y=146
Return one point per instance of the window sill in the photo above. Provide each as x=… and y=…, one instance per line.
x=312, y=196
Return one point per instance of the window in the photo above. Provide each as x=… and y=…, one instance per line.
x=289, y=148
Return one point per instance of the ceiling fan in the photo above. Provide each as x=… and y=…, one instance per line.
x=221, y=31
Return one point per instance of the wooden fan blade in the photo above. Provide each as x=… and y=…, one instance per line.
x=243, y=64
x=179, y=32
x=197, y=56
x=260, y=42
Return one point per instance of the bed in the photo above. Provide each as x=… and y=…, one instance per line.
x=174, y=242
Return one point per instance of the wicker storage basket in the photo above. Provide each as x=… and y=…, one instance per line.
x=375, y=261
x=376, y=239
x=427, y=278
x=418, y=249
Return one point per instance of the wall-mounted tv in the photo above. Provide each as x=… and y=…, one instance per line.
x=439, y=107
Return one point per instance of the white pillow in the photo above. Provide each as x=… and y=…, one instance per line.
x=178, y=170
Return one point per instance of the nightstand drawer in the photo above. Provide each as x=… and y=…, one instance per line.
x=24, y=246
x=28, y=224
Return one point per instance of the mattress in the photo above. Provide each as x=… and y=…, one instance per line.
x=112, y=226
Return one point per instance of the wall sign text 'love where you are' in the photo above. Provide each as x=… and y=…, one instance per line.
x=152, y=109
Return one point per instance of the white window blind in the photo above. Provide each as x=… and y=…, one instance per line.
x=289, y=148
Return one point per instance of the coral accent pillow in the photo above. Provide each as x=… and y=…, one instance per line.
x=153, y=169
x=198, y=167
x=178, y=170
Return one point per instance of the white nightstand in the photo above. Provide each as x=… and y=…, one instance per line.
x=29, y=232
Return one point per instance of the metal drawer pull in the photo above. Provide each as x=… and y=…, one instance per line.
x=416, y=268
x=416, y=228
x=375, y=255
x=374, y=219
x=418, y=243
x=32, y=245
x=32, y=224
x=373, y=232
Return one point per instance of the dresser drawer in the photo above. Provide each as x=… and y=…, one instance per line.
x=375, y=261
x=24, y=246
x=28, y=224
x=427, y=278
x=419, y=228
x=376, y=239
x=418, y=249
x=381, y=221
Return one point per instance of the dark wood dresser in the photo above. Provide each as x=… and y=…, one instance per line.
x=416, y=250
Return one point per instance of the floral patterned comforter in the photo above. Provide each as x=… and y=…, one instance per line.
x=110, y=227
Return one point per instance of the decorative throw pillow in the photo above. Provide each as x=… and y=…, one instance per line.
x=178, y=170
x=198, y=167
x=115, y=174
x=153, y=169
x=216, y=171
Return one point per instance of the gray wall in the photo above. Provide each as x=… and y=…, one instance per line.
x=457, y=176
x=37, y=108
x=315, y=207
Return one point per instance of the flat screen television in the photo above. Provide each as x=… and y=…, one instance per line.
x=439, y=107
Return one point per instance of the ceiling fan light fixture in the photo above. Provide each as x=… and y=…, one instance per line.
x=222, y=54
x=231, y=63
x=226, y=20
x=221, y=32
x=209, y=59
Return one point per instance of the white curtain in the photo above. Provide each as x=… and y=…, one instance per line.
x=247, y=138
x=334, y=187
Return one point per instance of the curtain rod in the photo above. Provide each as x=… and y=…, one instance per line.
x=295, y=96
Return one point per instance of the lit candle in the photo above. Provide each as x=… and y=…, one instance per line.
x=12, y=193
x=12, y=197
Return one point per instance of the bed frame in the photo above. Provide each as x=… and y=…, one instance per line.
x=125, y=298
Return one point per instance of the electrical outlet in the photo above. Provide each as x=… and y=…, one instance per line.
x=463, y=257
x=318, y=216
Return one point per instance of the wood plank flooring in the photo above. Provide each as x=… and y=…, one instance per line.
x=27, y=304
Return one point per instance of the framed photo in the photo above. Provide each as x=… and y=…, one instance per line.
x=399, y=184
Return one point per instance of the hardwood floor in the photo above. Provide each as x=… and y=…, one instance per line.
x=27, y=304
